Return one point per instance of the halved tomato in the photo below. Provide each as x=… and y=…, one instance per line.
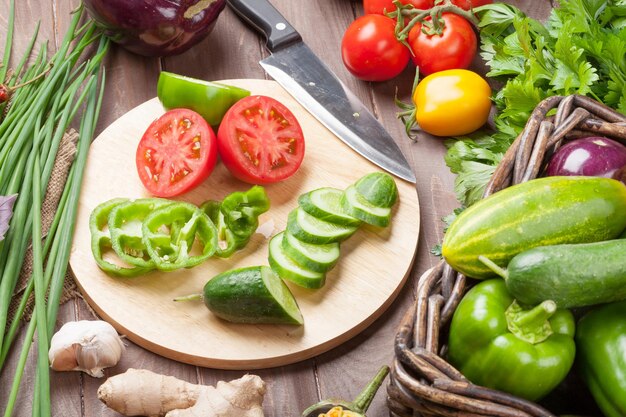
x=260, y=140
x=176, y=153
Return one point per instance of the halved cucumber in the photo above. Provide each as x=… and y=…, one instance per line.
x=325, y=204
x=251, y=295
x=317, y=258
x=356, y=205
x=287, y=269
x=310, y=229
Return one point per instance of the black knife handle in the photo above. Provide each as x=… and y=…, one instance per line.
x=262, y=16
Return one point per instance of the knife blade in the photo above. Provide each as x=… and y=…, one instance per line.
x=295, y=67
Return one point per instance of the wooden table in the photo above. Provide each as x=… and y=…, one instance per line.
x=233, y=51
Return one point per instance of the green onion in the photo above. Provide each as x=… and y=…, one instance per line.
x=61, y=88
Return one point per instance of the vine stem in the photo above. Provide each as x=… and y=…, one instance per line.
x=418, y=16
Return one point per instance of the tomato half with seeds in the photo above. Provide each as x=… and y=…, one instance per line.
x=177, y=152
x=260, y=140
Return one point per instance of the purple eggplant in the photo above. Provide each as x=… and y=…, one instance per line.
x=592, y=156
x=156, y=27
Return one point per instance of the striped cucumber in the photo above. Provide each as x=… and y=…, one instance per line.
x=540, y=212
x=572, y=275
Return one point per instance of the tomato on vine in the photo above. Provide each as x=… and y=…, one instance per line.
x=370, y=50
x=467, y=4
x=386, y=6
x=453, y=48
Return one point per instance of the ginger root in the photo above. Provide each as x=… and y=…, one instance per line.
x=242, y=397
x=139, y=392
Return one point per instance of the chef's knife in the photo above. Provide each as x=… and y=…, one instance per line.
x=305, y=77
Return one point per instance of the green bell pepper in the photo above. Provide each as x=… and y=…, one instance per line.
x=171, y=232
x=236, y=218
x=601, y=343
x=125, y=222
x=242, y=210
x=227, y=243
x=210, y=100
x=498, y=344
x=101, y=241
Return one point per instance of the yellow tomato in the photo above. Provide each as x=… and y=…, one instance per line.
x=452, y=103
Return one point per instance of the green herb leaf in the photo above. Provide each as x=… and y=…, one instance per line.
x=580, y=49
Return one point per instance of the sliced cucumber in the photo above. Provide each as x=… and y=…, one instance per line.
x=378, y=188
x=355, y=204
x=251, y=295
x=310, y=229
x=288, y=269
x=317, y=258
x=325, y=204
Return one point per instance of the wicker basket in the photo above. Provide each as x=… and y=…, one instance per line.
x=422, y=382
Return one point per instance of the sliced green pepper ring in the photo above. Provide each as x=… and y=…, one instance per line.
x=125, y=222
x=101, y=240
x=210, y=100
x=242, y=210
x=226, y=242
x=179, y=235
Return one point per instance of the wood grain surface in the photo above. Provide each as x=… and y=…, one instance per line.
x=233, y=51
x=373, y=266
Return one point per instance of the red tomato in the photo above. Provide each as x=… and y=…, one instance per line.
x=465, y=4
x=176, y=153
x=370, y=50
x=453, y=49
x=260, y=141
x=386, y=6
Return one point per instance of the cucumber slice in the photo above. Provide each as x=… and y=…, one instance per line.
x=378, y=188
x=251, y=295
x=317, y=258
x=310, y=229
x=287, y=269
x=355, y=204
x=325, y=204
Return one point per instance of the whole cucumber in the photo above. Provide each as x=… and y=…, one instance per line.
x=544, y=211
x=252, y=294
x=571, y=275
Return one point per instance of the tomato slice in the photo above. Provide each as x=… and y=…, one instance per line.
x=176, y=153
x=260, y=141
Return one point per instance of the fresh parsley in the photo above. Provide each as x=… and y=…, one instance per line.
x=581, y=49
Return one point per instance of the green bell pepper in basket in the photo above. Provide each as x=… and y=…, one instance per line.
x=601, y=343
x=498, y=344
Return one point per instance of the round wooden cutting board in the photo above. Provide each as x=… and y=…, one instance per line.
x=373, y=266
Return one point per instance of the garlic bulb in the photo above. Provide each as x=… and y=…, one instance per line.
x=87, y=346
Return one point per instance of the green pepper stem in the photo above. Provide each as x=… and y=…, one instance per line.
x=191, y=297
x=532, y=325
x=494, y=267
x=363, y=401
